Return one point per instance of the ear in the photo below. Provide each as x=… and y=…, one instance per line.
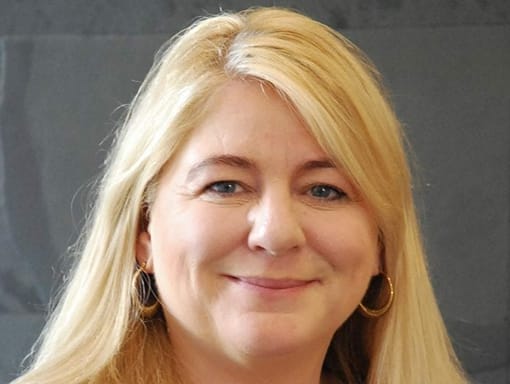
x=380, y=260
x=144, y=251
x=377, y=268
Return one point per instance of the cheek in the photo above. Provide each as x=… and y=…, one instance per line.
x=348, y=242
x=189, y=249
x=195, y=237
x=209, y=232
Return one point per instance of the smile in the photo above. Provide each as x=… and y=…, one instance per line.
x=272, y=284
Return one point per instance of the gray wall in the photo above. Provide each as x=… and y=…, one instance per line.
x=65, y=67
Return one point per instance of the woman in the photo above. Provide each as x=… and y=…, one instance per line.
x=255, y=224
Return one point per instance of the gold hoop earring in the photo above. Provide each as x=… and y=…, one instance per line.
x=377, y=312
x=142, y=292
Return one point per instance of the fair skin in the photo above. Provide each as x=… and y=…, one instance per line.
x=260, y=245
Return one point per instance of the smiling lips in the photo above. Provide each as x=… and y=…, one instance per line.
x=273, y=284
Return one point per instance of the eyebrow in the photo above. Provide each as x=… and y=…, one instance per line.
x=228, y=160
x=317, y=164
x=244, y=163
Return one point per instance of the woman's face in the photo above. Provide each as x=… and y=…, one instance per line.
x=259, y=244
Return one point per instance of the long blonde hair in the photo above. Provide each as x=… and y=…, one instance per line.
x=96, y=334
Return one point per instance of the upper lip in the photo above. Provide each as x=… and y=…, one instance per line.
x=273, y=283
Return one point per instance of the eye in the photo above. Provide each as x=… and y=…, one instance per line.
x=326, y=192
x=227, y=187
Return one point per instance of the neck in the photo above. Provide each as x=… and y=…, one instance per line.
x=200, y=365
x=278, y=370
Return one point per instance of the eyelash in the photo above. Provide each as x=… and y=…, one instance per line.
x=211, y=187
x=233, y=185
x=337, y=192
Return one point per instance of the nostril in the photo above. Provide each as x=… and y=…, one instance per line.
x=264, y=251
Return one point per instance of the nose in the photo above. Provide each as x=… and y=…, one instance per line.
x=275, y=225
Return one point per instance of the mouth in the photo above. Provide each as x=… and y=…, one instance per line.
x=272, y=283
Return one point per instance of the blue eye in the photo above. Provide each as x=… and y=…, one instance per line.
x=224, y=187
x=326, y=192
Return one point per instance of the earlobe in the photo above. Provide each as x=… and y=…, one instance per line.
x=144, y=252
x=377, y=269
x=379, y=264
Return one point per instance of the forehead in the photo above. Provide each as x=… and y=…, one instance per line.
x=248, y=116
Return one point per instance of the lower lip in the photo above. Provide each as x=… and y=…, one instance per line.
x=263, y=287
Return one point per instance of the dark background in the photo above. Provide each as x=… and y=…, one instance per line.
x=67, y=66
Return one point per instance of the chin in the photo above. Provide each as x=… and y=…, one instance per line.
x=267, y=335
